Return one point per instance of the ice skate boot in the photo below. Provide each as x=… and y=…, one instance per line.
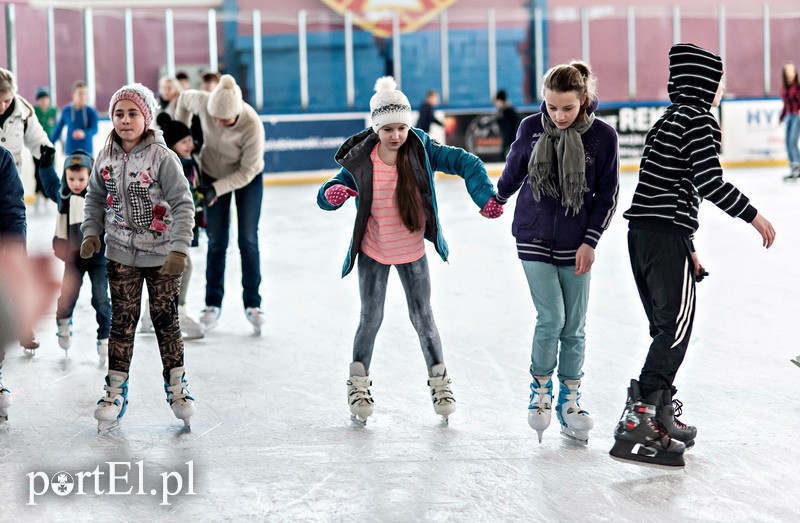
x=112, y=406
x=29, y=342
x=209, y=317
x=146, y=323
x=668, y=413
x=443, y=401
x=102, y=350
x=540, y=405
x=358, y=395
x=64, y=333
x=640, y=436
x=257, y=317
x=190, y=329
x=5, y=400
x=794, y=174
x=181, y=403
x=575, y=422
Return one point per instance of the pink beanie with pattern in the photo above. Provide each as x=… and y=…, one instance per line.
x=143, y=97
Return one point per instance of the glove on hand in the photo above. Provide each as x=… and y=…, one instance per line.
x=492, y=209
x=174, y=264
x=89, y=246
x=338, y=194
x=46, y=156
x=209, y=195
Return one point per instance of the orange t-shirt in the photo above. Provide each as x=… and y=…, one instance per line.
x=387, y=240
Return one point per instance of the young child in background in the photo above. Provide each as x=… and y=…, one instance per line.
x=390, y=168
x=80, y=119
x=69, y=194
x=567, y=161
x=47, y=115
x=178, y=138
x=679, y=168
x=139, y=196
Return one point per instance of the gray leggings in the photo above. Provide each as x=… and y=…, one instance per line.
x=416, y=280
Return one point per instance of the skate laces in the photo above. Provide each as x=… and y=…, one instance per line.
x=538, y=395
x=112, y=393
x=359, y=390
x=179, y=391
x=572, y=400
x=440, y=389
x=677, y=405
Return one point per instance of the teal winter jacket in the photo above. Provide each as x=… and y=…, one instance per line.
x=428, y=156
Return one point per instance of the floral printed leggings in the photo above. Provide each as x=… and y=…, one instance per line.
x=125, y=284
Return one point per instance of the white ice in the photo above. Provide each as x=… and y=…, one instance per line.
x=272, y=439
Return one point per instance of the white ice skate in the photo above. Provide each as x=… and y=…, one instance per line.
x=575, y=422
x=358, y=395
x=209, y=317
x=102, y=350
x=112, y=406
x=257, y=317
x=444, y=403
x=190, y=329
x=5, y=400
x=64, y=333
x=540, y=406
x=181, y=403
x=146, y=323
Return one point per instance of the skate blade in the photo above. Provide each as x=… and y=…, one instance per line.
x=358, y=419
x=189, y=337
x=581, y=436
x=627, y=452
x=796, y=361
x=104, y=427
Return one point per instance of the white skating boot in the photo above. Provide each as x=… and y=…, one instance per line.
x=209, y=317
x=358, y=395
x=146, y=323
x=540, y=405
x=190, y=329
x=112, y=406
x=443, y=401
x=257, y=317
x=575, y=422
x=102, y=350
x=5, y=400
x=181, y=403
x=64, y=333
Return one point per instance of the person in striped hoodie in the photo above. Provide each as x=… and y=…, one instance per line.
x=389, y=168
x=679, y=167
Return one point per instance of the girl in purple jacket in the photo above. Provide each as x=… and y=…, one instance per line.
x=568, y=162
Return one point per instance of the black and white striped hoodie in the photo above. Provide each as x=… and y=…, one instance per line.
x=680, y=162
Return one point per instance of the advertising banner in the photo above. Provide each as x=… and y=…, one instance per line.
x=751, y=130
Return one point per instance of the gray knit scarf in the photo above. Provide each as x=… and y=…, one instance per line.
x=567, y=147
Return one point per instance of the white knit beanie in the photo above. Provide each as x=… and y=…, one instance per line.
x=388, y=105
x=225, y=101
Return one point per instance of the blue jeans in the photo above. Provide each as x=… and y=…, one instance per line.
x=248, y=213
x=71, y=288
x=792, y=122
x=561, y=299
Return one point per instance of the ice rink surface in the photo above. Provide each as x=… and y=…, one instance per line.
x=272, y=439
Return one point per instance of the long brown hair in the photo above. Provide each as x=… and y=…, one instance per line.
x=114, y=137
x=407, y=190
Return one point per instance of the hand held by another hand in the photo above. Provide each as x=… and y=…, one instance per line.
x=89, y=246
x=492, y=209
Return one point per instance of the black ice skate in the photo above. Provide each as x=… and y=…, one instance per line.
x=668, y=413
x=640, y=435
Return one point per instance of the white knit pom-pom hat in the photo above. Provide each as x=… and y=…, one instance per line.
x=388, y=105
x=225, y=101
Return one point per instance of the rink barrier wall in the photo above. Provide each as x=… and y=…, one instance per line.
x=300, y=148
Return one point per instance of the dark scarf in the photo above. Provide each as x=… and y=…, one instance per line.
x=561, y=149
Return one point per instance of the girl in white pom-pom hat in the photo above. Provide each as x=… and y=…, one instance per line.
x=390, y=168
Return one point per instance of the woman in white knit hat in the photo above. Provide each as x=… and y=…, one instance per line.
x=390, y=168
x=232, y=159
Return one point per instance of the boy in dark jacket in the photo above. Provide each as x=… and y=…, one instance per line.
x=69, y=197
x=679, y=167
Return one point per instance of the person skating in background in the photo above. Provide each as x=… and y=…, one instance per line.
x=19, y=128
x=389, y=168
x=426, y=115
x=679, y=167
x=178, y=138
x=507, y=120
x=169, y=89
x=69, y=194
x=790, y=116
x=232, y=158
x=139, y=196
x=47, y=115
x=80, y=120
x=568, y=163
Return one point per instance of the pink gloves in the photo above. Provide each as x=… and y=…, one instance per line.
x=338, y=194
x=492, y=209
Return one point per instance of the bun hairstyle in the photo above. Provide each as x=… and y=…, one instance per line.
x=575, y=76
